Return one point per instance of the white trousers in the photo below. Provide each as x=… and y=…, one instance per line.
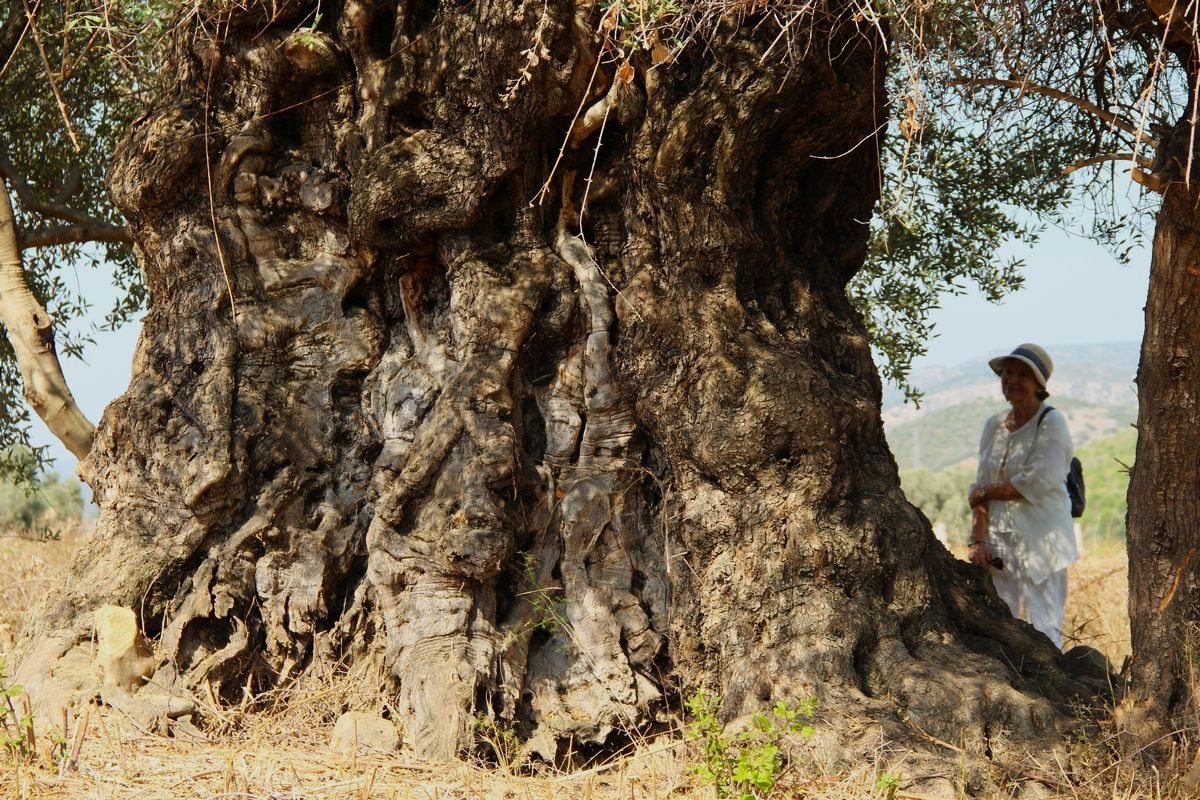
x=1042, y=605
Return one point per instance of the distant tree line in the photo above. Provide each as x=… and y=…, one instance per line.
x=41, y=508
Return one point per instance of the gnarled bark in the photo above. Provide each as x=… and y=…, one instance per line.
x=390, y=408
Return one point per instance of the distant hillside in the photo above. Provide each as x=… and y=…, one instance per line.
x=1092, y=384
x=1106, y=471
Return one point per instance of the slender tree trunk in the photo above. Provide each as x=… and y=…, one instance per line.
x=31, y=334
x=1164, y=489
x=528, y=373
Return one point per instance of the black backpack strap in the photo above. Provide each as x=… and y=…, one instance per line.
x=1045, y=411
x=1038, y=430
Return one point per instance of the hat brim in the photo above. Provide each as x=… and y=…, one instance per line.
x=997, y=365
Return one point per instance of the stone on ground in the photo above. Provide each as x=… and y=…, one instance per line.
x=357, y=731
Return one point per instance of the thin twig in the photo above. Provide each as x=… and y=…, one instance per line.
x=562, y=150
x=63, y=743
x=1195, y=113
x=1115, y=120
x=16, y=46
x=4, y=715
x=66, y=39
x=587, y=183
x=1141, y=161
x=69, y=64
x=80, y=734
x=31, y=737
x=62, y=105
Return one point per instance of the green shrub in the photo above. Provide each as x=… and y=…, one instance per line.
x=42, y=507
x=747, y=764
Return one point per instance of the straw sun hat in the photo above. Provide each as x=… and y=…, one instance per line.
x=1037, y=359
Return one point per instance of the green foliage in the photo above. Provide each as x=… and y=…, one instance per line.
x=33, y=507
x=17, y=736
x=956, y=189
x=75, y=79
x=306, y=36
x=501, y=740
x=970, y=166
x=887, y=783
x=548, y=602
x=942, y=497
x=16, y=731
x=748, y=764
x=641, y=24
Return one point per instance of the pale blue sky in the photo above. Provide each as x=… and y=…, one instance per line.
x=102, y=375
x=1075, y=293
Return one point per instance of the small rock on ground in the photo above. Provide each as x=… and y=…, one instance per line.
x=363, y=730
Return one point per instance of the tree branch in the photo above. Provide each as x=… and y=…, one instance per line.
x=1149, y=180
x=1141, y=161
x=74, y=234
x=31, y=13
x=1115, y=120
x=12, y=33
x=31, y=334
x=34, y=204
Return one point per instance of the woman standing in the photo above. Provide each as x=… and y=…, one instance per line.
x=1021, y=514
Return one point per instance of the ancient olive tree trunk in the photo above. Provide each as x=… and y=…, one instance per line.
x=527, y=371
x=1164, y=488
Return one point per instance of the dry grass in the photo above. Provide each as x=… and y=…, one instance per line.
x=298, y=765
x=27, y=568
x=1097, y=610
x=284, y=755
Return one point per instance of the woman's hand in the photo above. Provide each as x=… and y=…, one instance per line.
x=979, y=554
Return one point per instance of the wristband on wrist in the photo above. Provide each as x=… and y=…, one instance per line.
x=977, y=541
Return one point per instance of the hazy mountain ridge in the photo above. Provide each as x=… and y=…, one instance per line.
x=1092, y=384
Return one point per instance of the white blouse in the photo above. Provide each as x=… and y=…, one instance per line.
x=1035, y=459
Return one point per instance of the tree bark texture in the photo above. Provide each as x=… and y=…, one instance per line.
x=543, y=391
x=1164, y=487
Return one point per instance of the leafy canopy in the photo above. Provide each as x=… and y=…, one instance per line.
x=72, y=76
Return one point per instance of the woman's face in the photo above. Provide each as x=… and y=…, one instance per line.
x=1017, y=382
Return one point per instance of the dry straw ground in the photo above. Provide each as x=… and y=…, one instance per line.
x=280, y=751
